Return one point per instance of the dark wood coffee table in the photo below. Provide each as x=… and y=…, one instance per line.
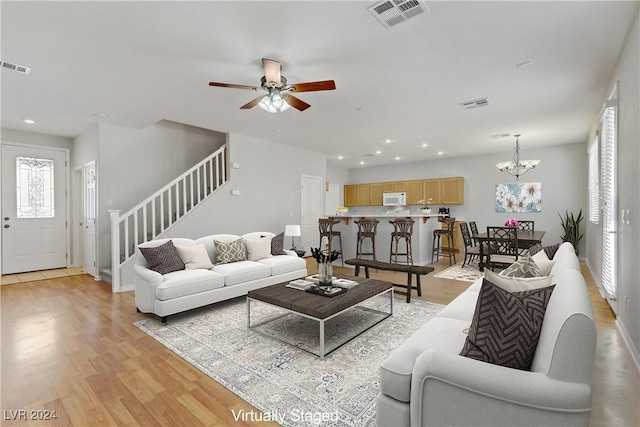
x=318, y=307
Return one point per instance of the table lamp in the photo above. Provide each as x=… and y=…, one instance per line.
x=293, y=231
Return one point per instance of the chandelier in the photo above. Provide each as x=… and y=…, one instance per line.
x=517, y=167
x=273, y=101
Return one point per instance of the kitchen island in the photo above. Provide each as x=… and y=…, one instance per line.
x=422, y=239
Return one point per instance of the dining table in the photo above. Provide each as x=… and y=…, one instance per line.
x=525, y=239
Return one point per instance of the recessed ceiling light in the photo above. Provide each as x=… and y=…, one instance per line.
x=424, y=145
x=378, y=152
x=362, y=162
x=440, y=153
x=396, y=158
x=101, y=115
x=387, y=141
x=340, y=157
x=29, y=121
x=361, y=108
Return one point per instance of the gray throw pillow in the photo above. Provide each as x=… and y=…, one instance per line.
x=164, y=258
x=230, y=252
x=524, y=267
x=506, y=326
x=277, y=245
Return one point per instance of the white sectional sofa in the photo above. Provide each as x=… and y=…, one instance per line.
x=183, y=290
x=425, y=382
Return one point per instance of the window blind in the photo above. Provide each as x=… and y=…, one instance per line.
x=594, y=182
x=608, y=186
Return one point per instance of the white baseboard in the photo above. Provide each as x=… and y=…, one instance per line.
x=635, y=355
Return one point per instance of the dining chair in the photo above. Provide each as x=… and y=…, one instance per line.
x=474, y=231
x=502, y=244
x=470, y=251
x=525, y=226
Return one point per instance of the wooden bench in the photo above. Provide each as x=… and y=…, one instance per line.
x=418, y=270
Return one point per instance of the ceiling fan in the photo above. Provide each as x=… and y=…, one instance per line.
x=278, y=92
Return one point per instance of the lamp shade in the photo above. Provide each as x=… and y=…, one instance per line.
x=292, y=230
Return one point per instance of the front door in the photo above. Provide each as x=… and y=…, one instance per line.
x=33, y=209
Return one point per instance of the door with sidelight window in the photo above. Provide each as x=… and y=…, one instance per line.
x=34, y=216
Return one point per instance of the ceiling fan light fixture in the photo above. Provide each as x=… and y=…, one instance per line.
x=273, y=102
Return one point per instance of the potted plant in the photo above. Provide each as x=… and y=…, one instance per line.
x=571, y=228
x=426, y=209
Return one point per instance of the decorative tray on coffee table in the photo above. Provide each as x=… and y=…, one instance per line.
x=326, y=291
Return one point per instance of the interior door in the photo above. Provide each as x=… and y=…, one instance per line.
x=311, y=209
x=89, y=218
x=34, y=216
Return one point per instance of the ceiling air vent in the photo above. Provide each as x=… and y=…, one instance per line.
x=392, y=12
x=15, y=67
x=480, y=102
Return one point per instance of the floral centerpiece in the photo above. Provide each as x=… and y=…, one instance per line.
x=426, y=209
x=512, y=222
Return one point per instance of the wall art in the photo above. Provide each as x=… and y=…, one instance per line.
x=525, y=197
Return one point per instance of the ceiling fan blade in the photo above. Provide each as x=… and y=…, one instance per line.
x=252, y=103
x=272, y=72
x=296, y=103
x=314, y=86
x=232, y=86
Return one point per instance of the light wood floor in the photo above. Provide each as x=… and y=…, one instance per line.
x=69, y=346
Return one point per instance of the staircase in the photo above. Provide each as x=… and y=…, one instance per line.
x=160, y=211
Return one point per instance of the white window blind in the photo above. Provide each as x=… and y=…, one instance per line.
x=594, y=182
x=608, y=132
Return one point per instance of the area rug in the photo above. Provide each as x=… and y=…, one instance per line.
x=468, y=273
x=289, y=385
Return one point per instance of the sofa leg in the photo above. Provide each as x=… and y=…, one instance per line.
x=164, y=320
x=138, y=310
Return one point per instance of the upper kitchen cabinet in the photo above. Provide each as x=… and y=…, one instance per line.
x=350, y=195
x=452, y=190
x=375, y=194
x=394, y=187
x=414, y=192
x=362, y=194
x=431, y=189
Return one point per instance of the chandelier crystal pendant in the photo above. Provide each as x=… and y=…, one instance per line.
x=517, y=167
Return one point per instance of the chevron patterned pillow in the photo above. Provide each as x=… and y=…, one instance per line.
x=506, y=326
x=230, y=252
x=164, y=258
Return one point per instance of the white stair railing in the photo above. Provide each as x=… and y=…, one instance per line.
x=163, y=209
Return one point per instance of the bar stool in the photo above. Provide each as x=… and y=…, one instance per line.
x=367, y=228
x=326, y=230
x=402, y=229
x=437, y=247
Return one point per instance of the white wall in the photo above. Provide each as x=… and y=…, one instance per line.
x=627, y=306
x=268, y=179
x=562, y=172
x=33, y=138
x=134, y=163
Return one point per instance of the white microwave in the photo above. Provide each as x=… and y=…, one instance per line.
x=394, y=199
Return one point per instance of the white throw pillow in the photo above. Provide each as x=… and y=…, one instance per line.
x=194, y=257
x=258, y=248
x=543, y=262
x=517, y=284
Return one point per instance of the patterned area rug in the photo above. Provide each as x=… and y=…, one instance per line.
x=289, y=385
x=468, y=273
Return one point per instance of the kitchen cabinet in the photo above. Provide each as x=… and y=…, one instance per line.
x=431, y=190
x=452, y=191
x=362, y=194
x=394, y=187
x=414, y=192
x=350, y=195
x=375, y=194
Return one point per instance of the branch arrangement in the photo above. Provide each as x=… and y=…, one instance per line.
x=323, y=257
